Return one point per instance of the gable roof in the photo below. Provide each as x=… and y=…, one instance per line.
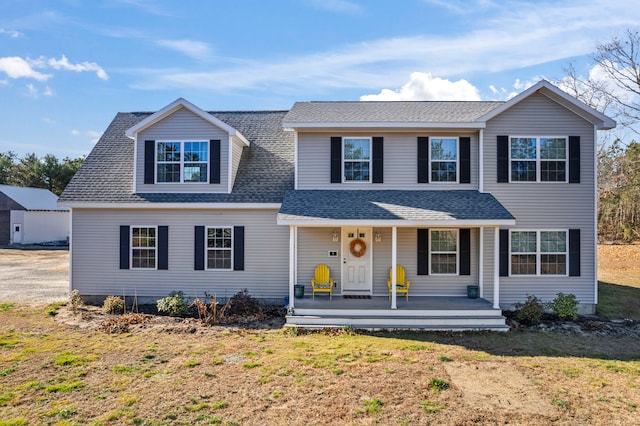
x=175, y=106
x=266, y=168
x=600, y=120
x=389, y=114
x=32, y=198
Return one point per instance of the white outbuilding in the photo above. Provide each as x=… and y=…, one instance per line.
x=31, y=216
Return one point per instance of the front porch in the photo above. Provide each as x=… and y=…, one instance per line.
x=420, y=312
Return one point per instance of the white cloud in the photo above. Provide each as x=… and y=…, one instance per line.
x=64, y=64
x=16, y=67
x=75, y=132
x=32, y=92
x=191, y=48
x=423, y=87
x=94, y=135
x=10, y=33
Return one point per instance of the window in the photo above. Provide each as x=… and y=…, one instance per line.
x=357, y=159
x=219, y=248
x=539, y=252
x=538, y=159
x=444, y=159
x=143, y=247
x=444, y=252
x=179, y=162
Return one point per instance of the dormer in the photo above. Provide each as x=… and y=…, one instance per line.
x=182, y=148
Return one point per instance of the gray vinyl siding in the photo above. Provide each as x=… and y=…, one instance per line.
x=400, y=161
x=180, y=126
x=541, y=206
x=314, y=244
x=236, y=154
x=95, y=254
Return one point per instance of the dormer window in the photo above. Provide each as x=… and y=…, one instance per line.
x=182, y=161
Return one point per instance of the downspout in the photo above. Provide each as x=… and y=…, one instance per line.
x=595, y=215
x=481, y=161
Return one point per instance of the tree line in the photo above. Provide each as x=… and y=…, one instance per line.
x=47, y=172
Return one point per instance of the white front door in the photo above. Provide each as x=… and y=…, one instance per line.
x=356, y=261
x=17, y=233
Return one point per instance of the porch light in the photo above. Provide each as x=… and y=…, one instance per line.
x=378, y=236
x=335, y=237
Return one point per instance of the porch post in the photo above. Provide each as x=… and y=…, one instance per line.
x=394, y=260
x=481, y=262
x=292, y=265
x=496, y=267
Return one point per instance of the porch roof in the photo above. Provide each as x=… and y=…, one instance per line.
x=392, y=208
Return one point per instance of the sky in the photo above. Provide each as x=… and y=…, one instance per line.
x=68, y=66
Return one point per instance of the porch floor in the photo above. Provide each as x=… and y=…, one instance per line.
x=418, y=303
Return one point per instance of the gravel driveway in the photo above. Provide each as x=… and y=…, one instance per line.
x=34, y=275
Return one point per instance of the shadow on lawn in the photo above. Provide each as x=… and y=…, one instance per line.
x=618, y=301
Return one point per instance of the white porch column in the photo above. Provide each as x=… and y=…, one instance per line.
x=496, y=267
x=292, y=263
x=394, y=260
x=481, y=262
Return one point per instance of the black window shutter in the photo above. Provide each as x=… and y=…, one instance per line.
x=124, y=247
x=574, y=159
x=163, y=247
x=504, y=253
x=336, y=159
x=423, y=159
x=465, y=252
x=198, y=258
x=423, y=252
x=503, y=158
x=574, y=252
x=149, y=161
x=378, y=159
x=238, y=248
x=465, y=160
x=214, y=161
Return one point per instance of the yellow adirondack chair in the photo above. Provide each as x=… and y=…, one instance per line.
x=402, y=284
x=322, y=282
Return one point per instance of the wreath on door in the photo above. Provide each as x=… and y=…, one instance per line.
x=358, y=247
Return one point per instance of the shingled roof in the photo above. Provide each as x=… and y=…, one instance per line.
x=266, y=168
x=407, y=207
x=400, y=112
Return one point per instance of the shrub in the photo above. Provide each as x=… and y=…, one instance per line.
x=531, y=311
x=75, y=300
x=174, y=304
x=565, y=306
x=113, y=305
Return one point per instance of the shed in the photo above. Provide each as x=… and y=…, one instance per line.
x=31, y=216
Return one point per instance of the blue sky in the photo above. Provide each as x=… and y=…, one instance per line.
x=67, y=66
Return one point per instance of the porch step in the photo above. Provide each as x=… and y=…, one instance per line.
x=413, y=322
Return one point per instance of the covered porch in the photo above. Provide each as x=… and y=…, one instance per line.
x=364, y=235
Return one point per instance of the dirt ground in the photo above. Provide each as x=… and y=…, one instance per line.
x=34, y=275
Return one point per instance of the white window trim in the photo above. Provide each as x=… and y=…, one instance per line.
x=539, y=253
x=431, y=252
x=358, y=182
x=206, y=248
x=457, y=161
x=181, y=163
x=538, y=160
x=131, y=248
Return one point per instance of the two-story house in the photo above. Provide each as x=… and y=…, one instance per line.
x=498, y=195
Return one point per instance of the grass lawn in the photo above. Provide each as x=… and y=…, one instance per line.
x=190, y=374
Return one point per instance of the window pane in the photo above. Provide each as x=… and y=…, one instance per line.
x=219, y=259
x=357, y=149
x=219, y=248
x=553, y=171
x=443, y=171
x=169, y=172
x=168, y=151
x=523, y=171
x=523, y=242
x=443, y=240
x=553, y=242
x=356, y=171
x=443, y=263
x=443, y=149
x=523, y=148
x=196, y=151
x=553, y=149
x=195, y=172
x=553, y=264
x=523, y=264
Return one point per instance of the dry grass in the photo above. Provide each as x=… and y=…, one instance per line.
x=184, y=373
x=619, y=276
